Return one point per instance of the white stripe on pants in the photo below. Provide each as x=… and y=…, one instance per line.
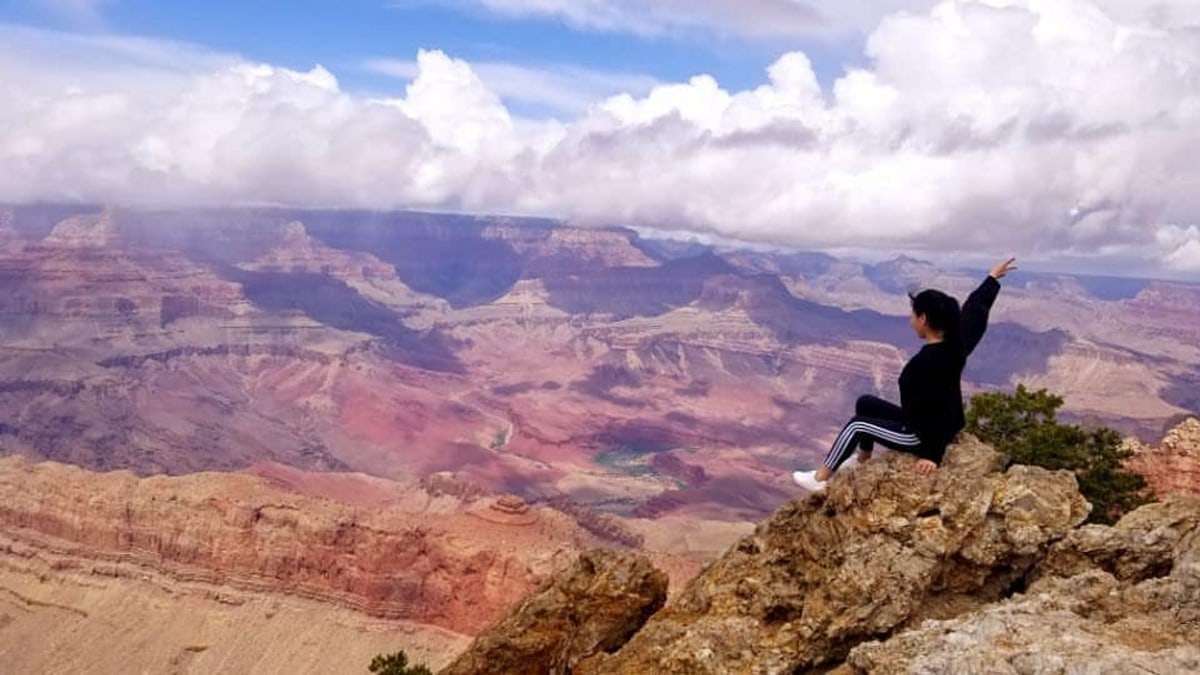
x=858, y=427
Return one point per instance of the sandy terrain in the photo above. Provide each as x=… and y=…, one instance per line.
x=63, y=623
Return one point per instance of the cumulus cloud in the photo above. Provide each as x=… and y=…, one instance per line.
x=560, y=89
x=1055, y=130
x=142, y=132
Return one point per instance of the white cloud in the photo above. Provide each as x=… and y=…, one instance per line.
x=558, y=88
x=1168, y=13
x=744, y=18
x=1184, y=246
x=1055, y=129
x=225, y=132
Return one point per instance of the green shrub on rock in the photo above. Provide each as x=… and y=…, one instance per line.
x=1024, y=426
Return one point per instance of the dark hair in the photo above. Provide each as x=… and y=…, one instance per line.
x=942, y=313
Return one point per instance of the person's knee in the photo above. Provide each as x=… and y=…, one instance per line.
x=863, y=403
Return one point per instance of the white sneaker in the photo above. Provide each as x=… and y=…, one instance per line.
x=808, y=480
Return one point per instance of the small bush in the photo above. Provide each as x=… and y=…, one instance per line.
x=396, y=664
x=1024, y=425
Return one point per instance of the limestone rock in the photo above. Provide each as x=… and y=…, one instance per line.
x=593, y=606
x=1131, y=605
x=1064, y=627
x=1144, y=544
x=881, y=549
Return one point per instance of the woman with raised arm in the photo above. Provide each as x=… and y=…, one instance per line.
x=930, y=413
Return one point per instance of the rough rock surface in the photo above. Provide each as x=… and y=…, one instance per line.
x=1120, y=610
x=970, y=571
x=448, y=569
x=1173, y=467
x=1143, y=545
x=594, y=606
x=880, y=550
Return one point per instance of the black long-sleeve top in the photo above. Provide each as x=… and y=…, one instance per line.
x=931, y=382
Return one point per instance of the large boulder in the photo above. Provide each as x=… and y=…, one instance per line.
x=1142, y=545
x=592, y=607
x=1130, y=603
x=880, y=550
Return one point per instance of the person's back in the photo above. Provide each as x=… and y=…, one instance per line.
x=931, y=396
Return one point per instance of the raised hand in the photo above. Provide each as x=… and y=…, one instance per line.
x=1004, y=268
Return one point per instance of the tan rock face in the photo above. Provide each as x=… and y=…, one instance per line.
x=898, y=574
x=445, y=569
x=1124, y=599
x=1057, y=627
x=594, y=606
x=881, y=549
x=1142, y=545
x=1173, y=467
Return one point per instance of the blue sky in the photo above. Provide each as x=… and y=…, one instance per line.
x=348, y=35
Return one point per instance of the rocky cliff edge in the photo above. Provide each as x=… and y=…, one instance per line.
x=978, y=569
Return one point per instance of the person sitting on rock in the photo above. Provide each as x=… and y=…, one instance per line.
x=930, y=413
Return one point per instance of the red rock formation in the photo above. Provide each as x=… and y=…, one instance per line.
x=183, y=341
x=510, y=504
x=507, y=510
x=448, y=570
x=298, y=252
x=1174, y=466
x=446, y=483
x=83, y=285
x=603, y=525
